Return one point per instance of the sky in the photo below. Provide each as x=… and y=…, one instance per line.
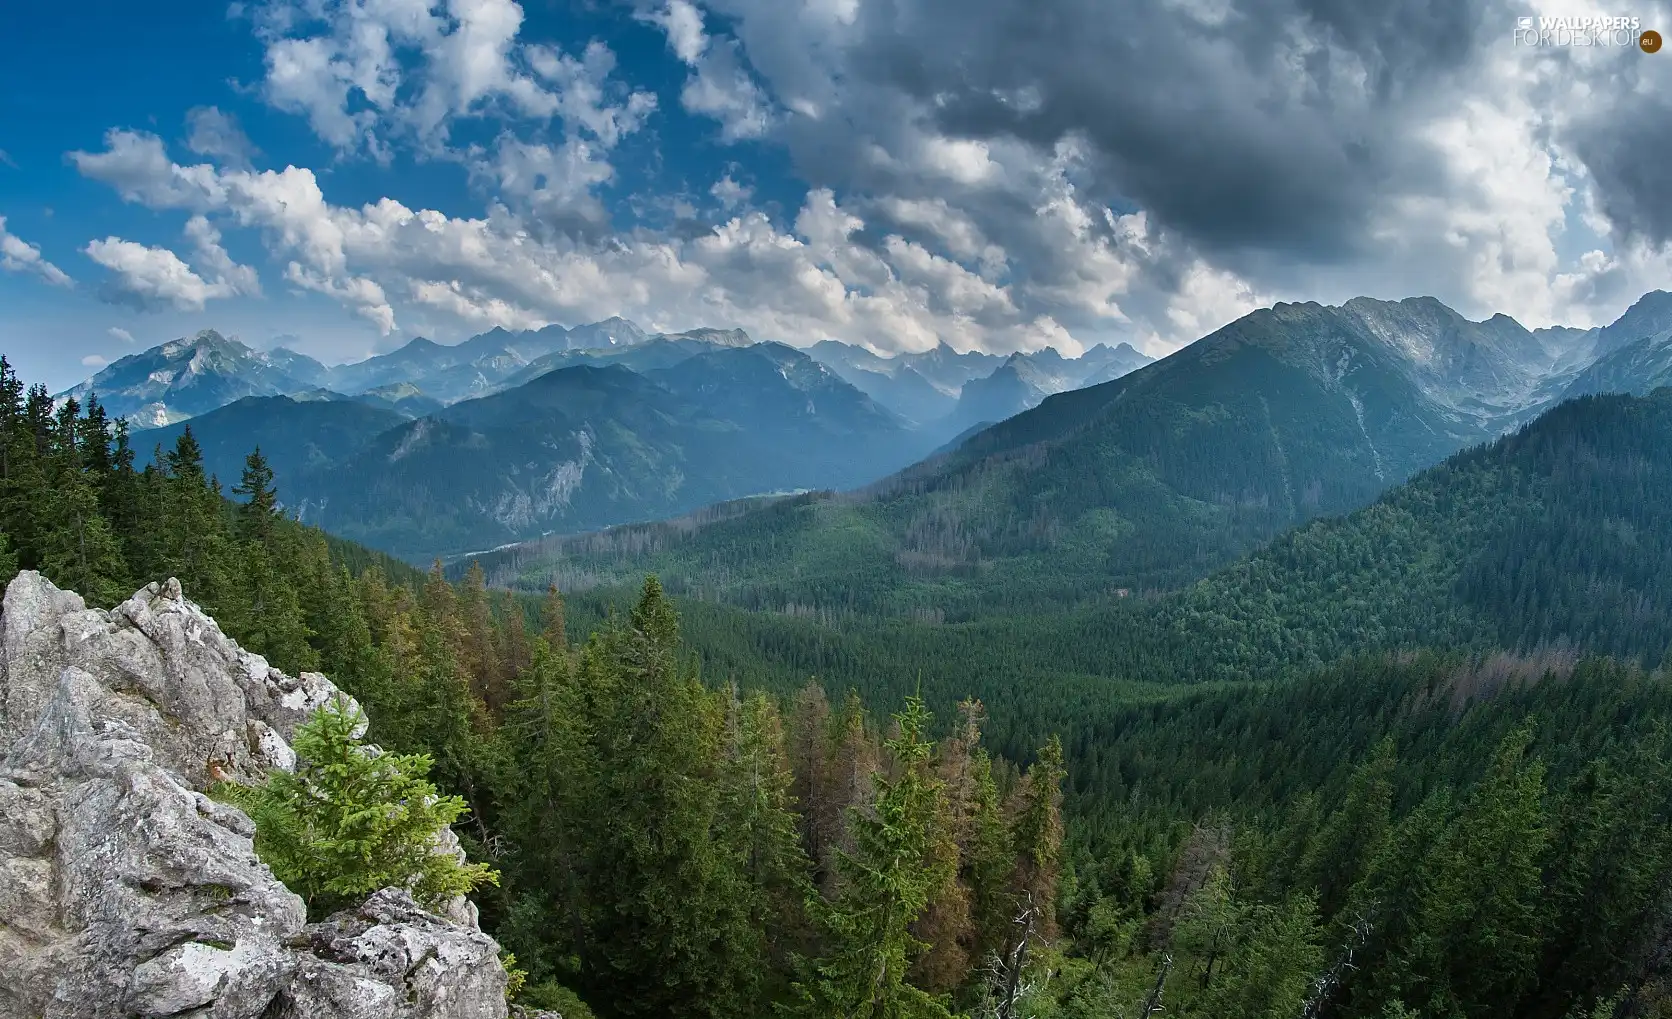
x=343, y=175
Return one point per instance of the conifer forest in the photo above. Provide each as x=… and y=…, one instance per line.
x=1430, y=778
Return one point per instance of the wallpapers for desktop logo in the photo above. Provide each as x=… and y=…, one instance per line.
x=1587, y=31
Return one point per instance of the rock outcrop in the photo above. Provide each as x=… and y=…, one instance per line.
x=125, y=890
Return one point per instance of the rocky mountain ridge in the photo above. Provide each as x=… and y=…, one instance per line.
x=126, y=891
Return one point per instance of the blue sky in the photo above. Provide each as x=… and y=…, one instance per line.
x=350, y=173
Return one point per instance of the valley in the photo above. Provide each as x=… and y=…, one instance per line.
x=1317, y=614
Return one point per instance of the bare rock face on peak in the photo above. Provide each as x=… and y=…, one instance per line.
x=125, y=890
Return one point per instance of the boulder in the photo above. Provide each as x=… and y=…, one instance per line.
x=126, y=891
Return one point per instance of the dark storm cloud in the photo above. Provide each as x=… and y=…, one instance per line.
x=1278, y=128
x=1629, y=155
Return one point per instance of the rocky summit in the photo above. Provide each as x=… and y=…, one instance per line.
x=126, y=891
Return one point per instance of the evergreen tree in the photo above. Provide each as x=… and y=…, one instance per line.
x=666, y=933
x=886, y=883
x=348, y=822
x=261, y=499
x=758, y=823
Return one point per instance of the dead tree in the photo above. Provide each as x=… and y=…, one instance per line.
x=1324, y=988
x=1152, y=1004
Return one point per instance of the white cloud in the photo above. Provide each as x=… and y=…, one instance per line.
x=555, y=183
x=93, y=361
x=138, y=167
x=367, y=73
x=118, y=333
x=18, y=255
x=958, y=215
x=152, y=277
x=720, y=84
x=730, y=193
x=213, y=259
x=683, y=24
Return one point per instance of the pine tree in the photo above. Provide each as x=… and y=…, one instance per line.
x=1479, y=899
x=1354, y=834
x=547, y=790
x=478, y=654
x=886, y=882
x=758, y=823
x=77, y=549
x=552, y=625
x=261, y=499
x=666, y=932
x=273, y=623
x=511, y=637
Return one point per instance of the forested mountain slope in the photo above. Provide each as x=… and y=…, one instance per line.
x=1143, y=483
x=1557, y=537
x=294, y=435
x=588, y=446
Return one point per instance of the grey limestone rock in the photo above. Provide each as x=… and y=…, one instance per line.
x=125, y=891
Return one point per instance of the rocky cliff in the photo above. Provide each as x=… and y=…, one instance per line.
x=125, y=891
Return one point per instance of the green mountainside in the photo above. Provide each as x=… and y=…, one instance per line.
x=1143, y=483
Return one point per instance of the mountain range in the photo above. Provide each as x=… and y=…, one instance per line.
x=1146, y=482
x=1102, y=472
x=510, y=439
x=577, y=447
x=190, y=376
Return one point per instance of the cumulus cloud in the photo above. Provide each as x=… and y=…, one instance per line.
x=150, y=278
x=18, y=255
x=813, y=281
x=213, y=259
x=93, y=361
x=118, y=333
x=729, y=193
x=1305, y=149
x=366, y=73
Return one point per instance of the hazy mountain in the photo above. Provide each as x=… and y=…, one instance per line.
x=802, y=408
x=587, y=446
x=612, y=332
x=949, y=391
x=450, y=372
x=403, y=398
x=294, y=435
x=574, y=448
x=664, y=350
x=941, y=366
x=1023, y=380
x=1637, y=349
x=192, y=375
x=1151, y=480
x=892, y=382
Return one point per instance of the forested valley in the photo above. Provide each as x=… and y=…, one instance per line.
x=690, y=810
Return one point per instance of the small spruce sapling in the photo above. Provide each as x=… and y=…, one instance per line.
x=351, y=820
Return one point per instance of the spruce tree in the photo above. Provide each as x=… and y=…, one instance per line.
x=666, y=932
x=757, y=822
x=261, y=499
x=885, y=885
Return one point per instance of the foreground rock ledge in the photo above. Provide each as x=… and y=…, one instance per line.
x=125, y=891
